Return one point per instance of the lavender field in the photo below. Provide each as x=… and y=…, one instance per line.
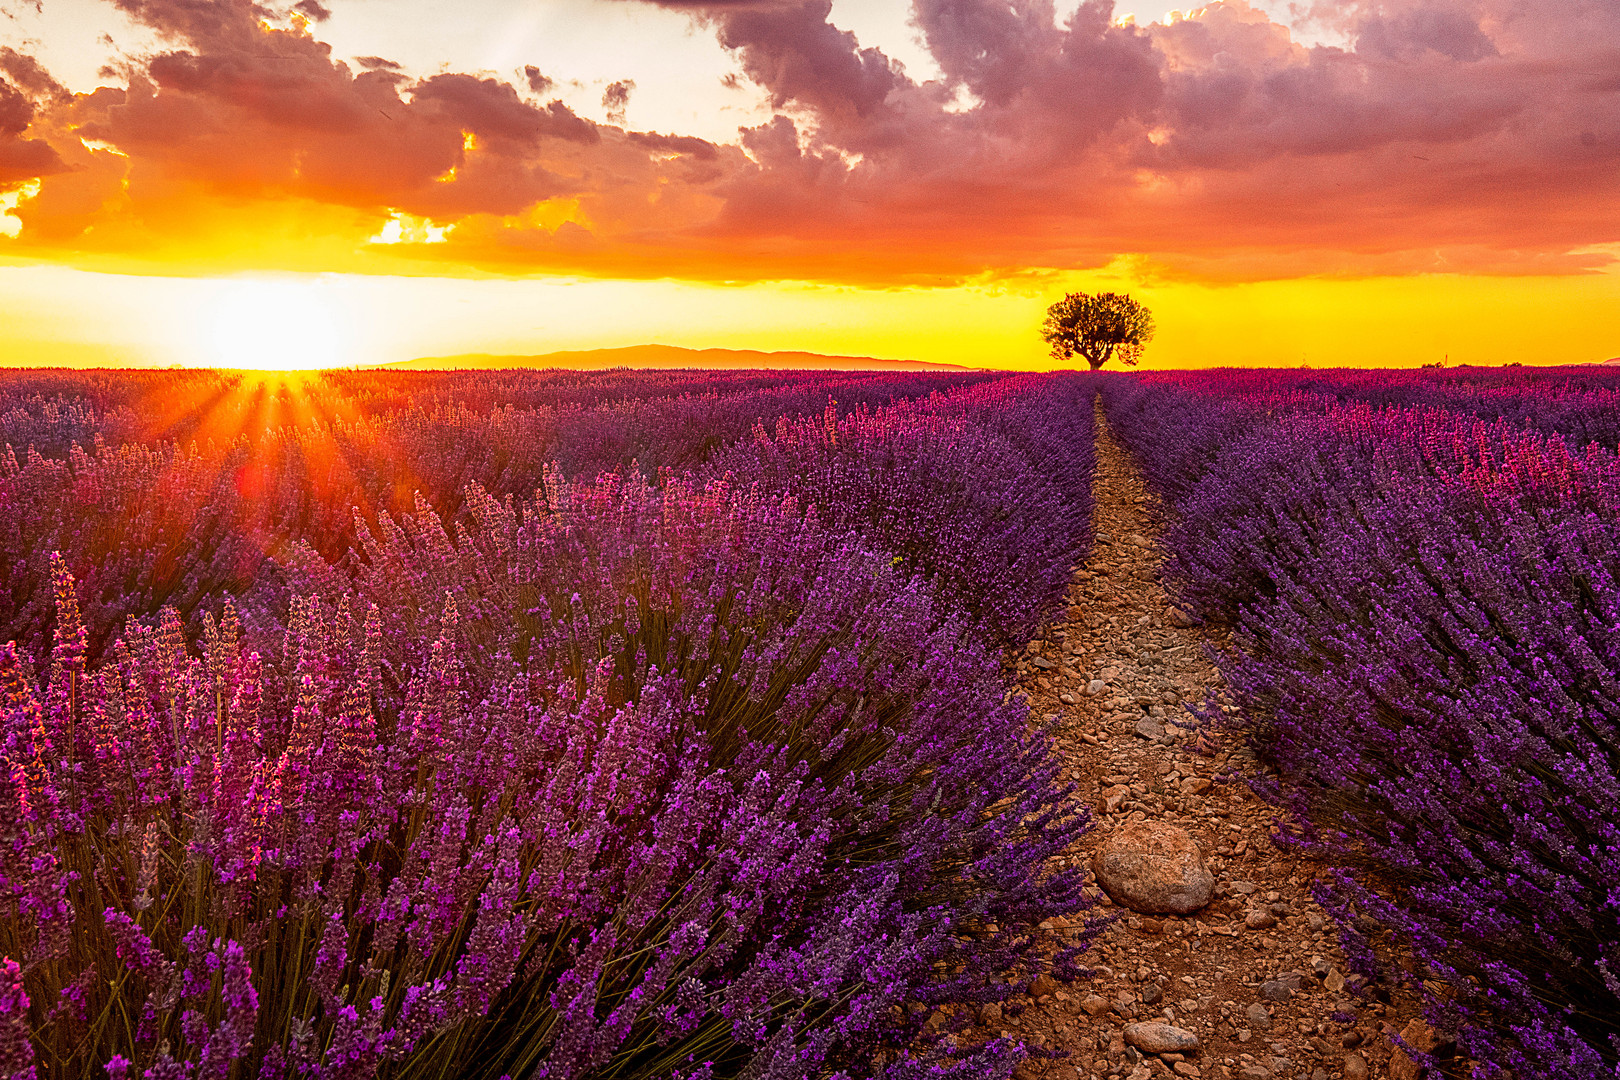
x=1419, y=570
x=659, y=724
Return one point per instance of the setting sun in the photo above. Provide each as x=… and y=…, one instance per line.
x=275, y=325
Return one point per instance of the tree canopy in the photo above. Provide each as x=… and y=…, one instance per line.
x=1098, y=327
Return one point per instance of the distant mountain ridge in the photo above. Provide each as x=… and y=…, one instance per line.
x=668, y=356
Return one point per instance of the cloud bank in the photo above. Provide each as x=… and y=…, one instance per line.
x=1474, y=136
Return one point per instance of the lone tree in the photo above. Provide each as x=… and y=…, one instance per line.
x=1098, y=328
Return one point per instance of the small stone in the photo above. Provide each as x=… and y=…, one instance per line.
x=990, y=1014
x=1042, y=662
x=1154, y=1037
x=1152, y=994
x=1186, y=1068
x=1095, y=687
x=1094, y=1004
x=1260, y=920
x=1248, y=1070
x=1152, y=926
x=1259, y=1016
x=1042, y=986
x=1240, y=888
x=1068, y=698
x=1153, y=868
x=1195, y=785
x=1150, y=729
x=1334, y=981
x=1355, y=1067
x=1276, y=990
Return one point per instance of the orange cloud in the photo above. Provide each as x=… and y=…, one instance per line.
x=23, y=159
x=1446, y=135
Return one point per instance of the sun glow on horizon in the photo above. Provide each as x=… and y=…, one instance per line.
x=77, y=318
x=276, y=325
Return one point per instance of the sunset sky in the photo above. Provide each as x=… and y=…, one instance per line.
x=333, y=182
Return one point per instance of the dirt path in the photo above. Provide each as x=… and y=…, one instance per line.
x=1256, y=974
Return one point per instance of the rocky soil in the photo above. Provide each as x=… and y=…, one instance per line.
x=1220, y=964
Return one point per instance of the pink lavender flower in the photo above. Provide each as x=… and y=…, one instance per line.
x=16, y=1044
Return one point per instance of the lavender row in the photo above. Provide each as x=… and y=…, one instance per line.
x=51, y=409
x=1425, y=645
x=986, y=493
x=1580, y=404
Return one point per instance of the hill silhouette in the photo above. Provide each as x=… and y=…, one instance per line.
x=669, y=356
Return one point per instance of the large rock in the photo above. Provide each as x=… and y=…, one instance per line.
x=1277, y=990
x=1420, y=1037
x=1155, y=1037
x=1155, y=869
